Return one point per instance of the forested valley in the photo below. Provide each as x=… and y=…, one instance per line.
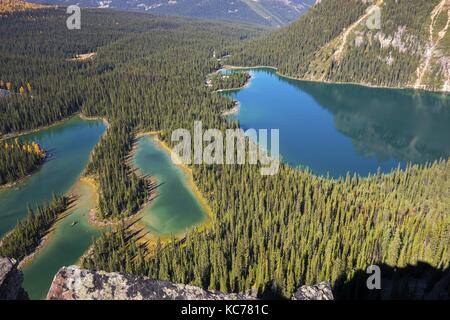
x=269, y=231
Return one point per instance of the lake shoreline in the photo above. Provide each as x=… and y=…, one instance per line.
x=188, y=174
x=362, y=84
x=236, y=104
x=45, y=240
x=99, y=222
x=234, y=110
x=48, y=237
x=87, y=118
x=363, y=127
x=92, y=215
x=53, y=124
x=67, y=168
x=23, y=133
x=22, y=180
x=150, y=240
x=245, y=85
x=74, y=190
x=31, y=131
x=27, y=132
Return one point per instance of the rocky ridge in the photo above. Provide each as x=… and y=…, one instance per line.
x=73, y=283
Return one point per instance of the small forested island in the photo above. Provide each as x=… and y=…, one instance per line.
x=19, y=159
x=29, y=231
x=220, y=81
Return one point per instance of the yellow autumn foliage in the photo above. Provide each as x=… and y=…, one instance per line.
x=29, y=147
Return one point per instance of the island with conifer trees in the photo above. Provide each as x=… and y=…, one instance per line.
x=18, y=160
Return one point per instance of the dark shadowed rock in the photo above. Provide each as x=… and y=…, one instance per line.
x=11, y=281
x=321, y=291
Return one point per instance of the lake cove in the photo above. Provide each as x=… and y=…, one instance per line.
x=338, y=128
x=176, y=208
x=70, y=238
x=69, y=145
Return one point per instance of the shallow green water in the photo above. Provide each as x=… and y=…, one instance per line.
x=66, y=245
x=176, y=208
x=335, y=129
x=69, y=144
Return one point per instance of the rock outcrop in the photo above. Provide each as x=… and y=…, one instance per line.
x=73, y=283
x=11, y=281
x=321, y=291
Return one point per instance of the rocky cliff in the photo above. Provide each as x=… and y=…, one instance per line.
x=73, y=283
x=11, y=281
x=321, y=291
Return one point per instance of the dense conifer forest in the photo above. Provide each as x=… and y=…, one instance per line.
x=117, y=251
x=298, y=228
x=18, y=159
x=29, y=231
x=269, y=231
x=390, y=54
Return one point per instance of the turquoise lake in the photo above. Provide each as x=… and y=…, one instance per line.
x=338, y=128
x=176, y=208
x=70, y=238
x=69, y=145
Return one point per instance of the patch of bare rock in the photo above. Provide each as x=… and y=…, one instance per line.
x=73, y=283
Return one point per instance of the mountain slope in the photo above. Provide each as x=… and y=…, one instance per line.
x=17, y=5
x=411, y=49
x=273, y=13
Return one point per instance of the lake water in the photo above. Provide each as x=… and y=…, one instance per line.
x=71, y=237
x=335, y=128
x=69, y=144
x=174, y=211
x=176, y=208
